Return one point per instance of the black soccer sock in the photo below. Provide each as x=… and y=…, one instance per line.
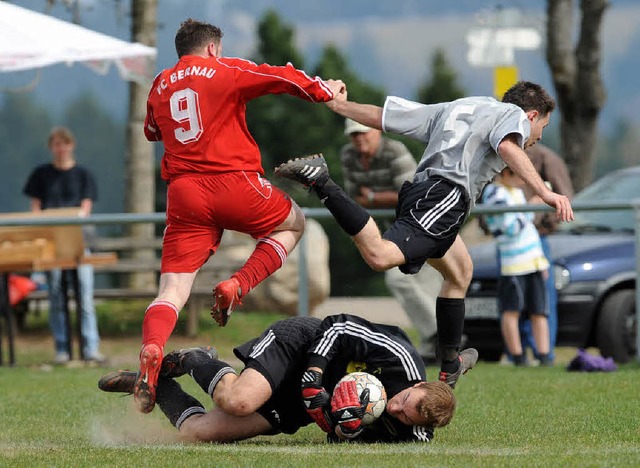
x=175, y=403
x=351, y=217
x=450, y=320
x=208, y=374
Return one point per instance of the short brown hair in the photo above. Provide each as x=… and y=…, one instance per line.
x=530, y=96
x=193, y=35
x=63, y=133
x=438, y=403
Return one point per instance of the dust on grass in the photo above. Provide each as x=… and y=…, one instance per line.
x=130, y=427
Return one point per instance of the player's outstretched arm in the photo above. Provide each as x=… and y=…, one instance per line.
x=519, y=162
x=366, y=114
x=561, y=203
x=337, y=87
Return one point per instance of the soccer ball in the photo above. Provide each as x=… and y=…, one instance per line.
x=377, y=394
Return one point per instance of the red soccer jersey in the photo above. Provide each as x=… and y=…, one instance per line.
x=197, y=109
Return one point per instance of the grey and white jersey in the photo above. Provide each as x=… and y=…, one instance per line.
x=462, y=137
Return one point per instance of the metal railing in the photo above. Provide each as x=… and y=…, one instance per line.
x=319, y=213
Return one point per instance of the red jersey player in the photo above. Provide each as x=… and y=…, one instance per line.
x=215, y=180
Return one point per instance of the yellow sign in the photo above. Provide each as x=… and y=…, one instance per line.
x=503, y=79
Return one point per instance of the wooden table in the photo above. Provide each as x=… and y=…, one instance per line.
x=43, y=248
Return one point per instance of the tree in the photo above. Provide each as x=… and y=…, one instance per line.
x=333, y=64
x=278, y=123
x=139, y=188
x=577, y=81
x=443, y=85
x=100, y=148
x=350, y=276
x=285, y=127
x=619, y=149
x=24, y=128
x=140, y=160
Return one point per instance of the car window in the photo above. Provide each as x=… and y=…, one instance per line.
x=618, y=186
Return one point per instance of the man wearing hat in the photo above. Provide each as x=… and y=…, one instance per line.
x=374, y=168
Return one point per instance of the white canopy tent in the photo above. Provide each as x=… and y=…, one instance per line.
x=29, y=40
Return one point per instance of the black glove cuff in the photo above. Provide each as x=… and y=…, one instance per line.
x=311, y=378
x=315, y=360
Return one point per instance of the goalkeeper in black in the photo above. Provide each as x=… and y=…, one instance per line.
x=282, y=386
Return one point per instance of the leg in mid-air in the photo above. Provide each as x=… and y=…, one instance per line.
x=190, y=237
x=269, y=255
x=159, y=321
x=269, y=215
x=312, y=171
x=428, y=219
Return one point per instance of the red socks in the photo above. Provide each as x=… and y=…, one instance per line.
x=159, y=321
x=268, y=256
x=160, y=317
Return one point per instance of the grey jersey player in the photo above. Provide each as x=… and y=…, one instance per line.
x=468, y=141
x=462, y=137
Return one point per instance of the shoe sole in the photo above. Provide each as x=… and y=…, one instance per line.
x=172, y=362
x=118, y=382
x=294, y=167
x=221, y=315
x=473, y=360
x=144, y=391
x=463, y=369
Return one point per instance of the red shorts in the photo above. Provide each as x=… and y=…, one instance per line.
x=201, y=207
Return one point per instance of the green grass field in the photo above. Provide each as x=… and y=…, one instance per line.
x=56, y=416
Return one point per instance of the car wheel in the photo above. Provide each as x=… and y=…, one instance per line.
x=616, y=332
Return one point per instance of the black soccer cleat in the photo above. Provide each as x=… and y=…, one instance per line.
x=178, y=363
x=119, y=381
x=307, y=170
x=468, y=359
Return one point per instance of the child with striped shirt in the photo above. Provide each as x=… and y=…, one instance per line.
x=523, y=267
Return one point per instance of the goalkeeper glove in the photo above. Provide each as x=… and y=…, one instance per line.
x=316, y=399
x=347, y=408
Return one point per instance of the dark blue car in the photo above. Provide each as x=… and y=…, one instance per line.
x=595, y=272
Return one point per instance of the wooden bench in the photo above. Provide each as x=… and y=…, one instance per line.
x=116, y=273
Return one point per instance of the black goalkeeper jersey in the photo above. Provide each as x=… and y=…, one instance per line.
x=339, y=344
x=346, y=343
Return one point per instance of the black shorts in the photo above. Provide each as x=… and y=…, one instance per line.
x=280, y=355
x=429, y=216
x=525, y=293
